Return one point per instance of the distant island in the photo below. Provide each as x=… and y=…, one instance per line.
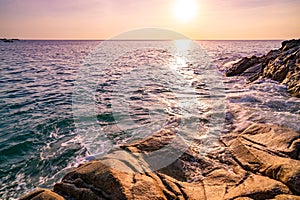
x=8, y=40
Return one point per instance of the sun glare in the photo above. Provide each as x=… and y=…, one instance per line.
x=185, y=10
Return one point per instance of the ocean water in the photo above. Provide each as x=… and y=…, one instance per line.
x=63, y=101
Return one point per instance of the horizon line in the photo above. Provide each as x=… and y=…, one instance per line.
x=96, y=39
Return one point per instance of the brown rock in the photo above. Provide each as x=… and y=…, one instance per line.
x=152, y=143
x=287, y=197
x=258, y=163
x=184, y=190
x=98, y=181
x=42, y=194
x=283, y=169
x=257, y=187
x=175, y=170
x=275, y=138
x=281, y=65
x=255, y=150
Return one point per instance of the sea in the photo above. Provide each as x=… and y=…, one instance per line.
x=63, y=103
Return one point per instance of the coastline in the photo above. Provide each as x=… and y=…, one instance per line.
x=247, y=166
x=259, y=162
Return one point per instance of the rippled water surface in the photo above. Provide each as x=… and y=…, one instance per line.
x=147, y=85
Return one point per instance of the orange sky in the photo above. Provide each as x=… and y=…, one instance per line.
x=102, y=19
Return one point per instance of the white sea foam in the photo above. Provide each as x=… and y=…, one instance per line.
x=41, y=110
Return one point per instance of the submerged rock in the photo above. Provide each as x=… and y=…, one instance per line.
x=282, y=65
x=261, y=162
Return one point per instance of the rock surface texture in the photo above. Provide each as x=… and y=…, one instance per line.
x=282, y=65
x=261, y=162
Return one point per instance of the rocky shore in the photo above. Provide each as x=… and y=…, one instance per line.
x=262, y=162
x=282, y=65
x=258, y=162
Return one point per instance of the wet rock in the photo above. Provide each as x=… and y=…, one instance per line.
x=241, y=66
x=282, y=65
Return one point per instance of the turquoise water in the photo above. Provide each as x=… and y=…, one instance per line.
x=36, y=112
x=38, y=139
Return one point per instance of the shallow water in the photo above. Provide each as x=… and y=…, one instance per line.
x=141, y=90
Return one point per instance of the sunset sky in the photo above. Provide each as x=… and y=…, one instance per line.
x=103, y=19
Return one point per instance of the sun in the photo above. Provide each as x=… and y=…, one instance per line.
x=185, y=10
